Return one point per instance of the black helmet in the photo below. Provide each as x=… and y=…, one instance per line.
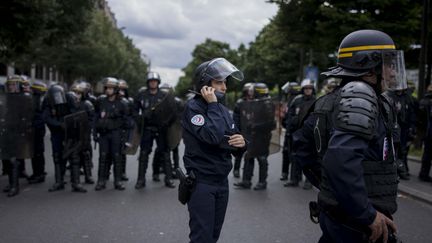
x=260, y=90
x=56, y=95
x=216, y=69
x=153, y=76
x=39, y=87
x=363, y=51
x=248, y=90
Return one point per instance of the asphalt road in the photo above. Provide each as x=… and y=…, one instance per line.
x=154, y=215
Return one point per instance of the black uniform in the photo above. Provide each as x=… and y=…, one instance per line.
x=296, y=111
x=56, y=106
x=110, y=120
x=358, y=174
x=86, y=154
x=426, y=108
x=406, y=118
x=238, y=157
x=153, y=129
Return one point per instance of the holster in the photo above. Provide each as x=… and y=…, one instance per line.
x=186, y=186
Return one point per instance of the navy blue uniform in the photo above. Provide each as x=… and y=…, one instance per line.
x=208, y=155
x=426, y=107
x=348, y=194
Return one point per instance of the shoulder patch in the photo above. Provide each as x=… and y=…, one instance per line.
x=198, y=120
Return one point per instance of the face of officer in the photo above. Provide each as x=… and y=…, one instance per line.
x=12, y=87
x=308, y=90
x=219, y=86
x=122, y=93
x=109, y=91
x=153, y=84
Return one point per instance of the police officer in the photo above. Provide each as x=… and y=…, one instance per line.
x=38, y=161
x=110, y=120
x=426, y=108
x=258, y=132
x=57, y=105
x=292, y=89
x=296, y=111
x=149, y=103
x=127, y=131
x=86, y=152
x=210, y=136
x=12, y=146
x=247, y=94
x=406, y=118
x=357, y=176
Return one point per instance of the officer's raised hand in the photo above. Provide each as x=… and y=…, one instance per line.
x=379, y=227
x=208, y=93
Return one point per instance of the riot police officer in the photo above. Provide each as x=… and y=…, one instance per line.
x=291, y=90
x=57, y=105
x=426, y=108
x=296, y=111
x=210, y=136
x=16, y=108
x=351, y=139
x=406, y=117
x=86, y=151
x=257, y=122
x=110, y=120
x=127, y=131
x=157, y=113
x=38, y=161
x=247, y=94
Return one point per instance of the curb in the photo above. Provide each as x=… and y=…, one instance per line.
x=415, y=194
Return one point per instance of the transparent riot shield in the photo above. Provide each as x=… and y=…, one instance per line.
x=16, y=131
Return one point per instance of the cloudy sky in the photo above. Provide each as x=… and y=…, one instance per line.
x=167, y=31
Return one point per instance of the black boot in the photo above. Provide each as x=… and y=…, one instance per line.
x=14, y=178
x=88, y=167
x=284, y=177
x=118, y=169
x=102, y=172
x=260, y=186
x=75, y=175
x=59, y=183
x=291, y=184
x=168, y=170
x=156, y=178
x=38, y=165
x=243, y=185
x=142, y=168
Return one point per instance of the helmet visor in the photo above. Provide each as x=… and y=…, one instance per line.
x=393, y=70
x=219, y=69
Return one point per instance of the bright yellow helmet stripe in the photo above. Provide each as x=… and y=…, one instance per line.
x=364, y=48
x=349, y=54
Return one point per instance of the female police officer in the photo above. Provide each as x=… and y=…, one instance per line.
x=210, y=136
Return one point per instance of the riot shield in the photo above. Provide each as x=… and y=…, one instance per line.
x=259, y=127
x=76, y=132
x=16, y=131
x=174, y=134
x=164, y=112
x=133, y=141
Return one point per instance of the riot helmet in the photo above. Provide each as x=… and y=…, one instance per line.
x=165, y=87
x=218, y=69
x=13, y=84
x=365, y=51
x=39, y=87
x=25, y=84
x=79, y=90
x=110, y=82
x=56, y=95
x=248, y=91
x=153, y=76
x=260, y=90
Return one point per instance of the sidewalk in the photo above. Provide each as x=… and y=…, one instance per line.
x=414, y=187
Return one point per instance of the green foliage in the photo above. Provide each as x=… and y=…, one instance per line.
x=73, y=36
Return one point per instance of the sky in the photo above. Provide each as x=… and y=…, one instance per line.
x=167, y=31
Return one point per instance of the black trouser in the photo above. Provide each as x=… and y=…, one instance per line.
x=38, y=160
x=150, y=134
x=249, y=168
x=86, y=162
x=426, y=158
x=110, y=150
x=296, y=171
x=237, y=161
x=285, y=155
